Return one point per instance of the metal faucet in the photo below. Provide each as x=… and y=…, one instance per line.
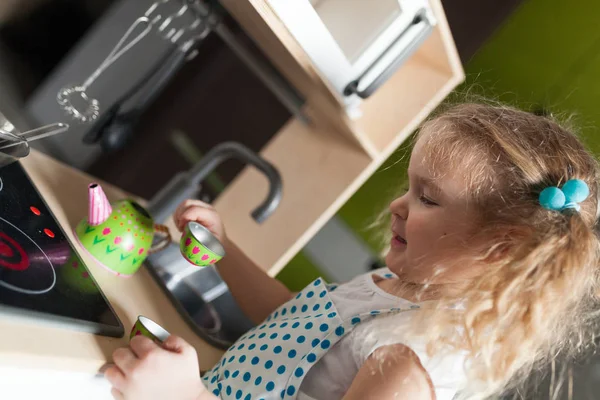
x=199, y=294
x=185, y=185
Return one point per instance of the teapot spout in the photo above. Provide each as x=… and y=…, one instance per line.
x=99, y=207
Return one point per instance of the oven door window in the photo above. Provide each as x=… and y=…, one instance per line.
x=344, y=38
x=355, y=25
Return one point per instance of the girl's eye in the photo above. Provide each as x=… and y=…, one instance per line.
x=427, y=201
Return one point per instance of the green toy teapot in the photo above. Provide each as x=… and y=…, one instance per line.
x=119, y=236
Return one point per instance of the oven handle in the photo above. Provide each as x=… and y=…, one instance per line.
x=392, y=58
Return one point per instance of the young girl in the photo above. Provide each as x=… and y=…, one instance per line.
x=492, y=268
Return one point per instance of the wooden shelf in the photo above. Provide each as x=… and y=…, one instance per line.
x=317, y=168
x=398, y=107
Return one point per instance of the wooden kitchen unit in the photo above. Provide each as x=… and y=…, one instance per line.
x=323, y=164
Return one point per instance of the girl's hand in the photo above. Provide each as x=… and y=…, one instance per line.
x=146, y=371
x=202, y=213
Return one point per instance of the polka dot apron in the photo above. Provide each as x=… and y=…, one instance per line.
x=271, y=360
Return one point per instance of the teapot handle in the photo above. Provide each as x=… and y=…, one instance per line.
x=166, y=240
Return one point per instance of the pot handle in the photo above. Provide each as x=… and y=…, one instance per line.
x=164, y=242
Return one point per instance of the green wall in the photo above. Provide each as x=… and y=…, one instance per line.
x=547, y=55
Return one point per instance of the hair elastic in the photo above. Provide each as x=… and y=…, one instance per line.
x=572, y=193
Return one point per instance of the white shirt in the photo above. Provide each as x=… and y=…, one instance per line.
x=332, y=376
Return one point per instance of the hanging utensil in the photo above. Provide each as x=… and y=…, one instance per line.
x=198, y=29
x=43, y=132
x=15, y=145
x=75, y=101
x=167, y=21
x=118, y=130
x=10, y=139
x=107, y=117
x=13, y=149
x=153, y=12
x=174, y=34
x=13, y=153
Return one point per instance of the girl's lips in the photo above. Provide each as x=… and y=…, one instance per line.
x=398, y=241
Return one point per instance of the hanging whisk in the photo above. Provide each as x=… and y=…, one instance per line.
x=76, y=101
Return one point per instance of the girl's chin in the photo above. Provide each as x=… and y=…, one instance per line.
x=394, y=260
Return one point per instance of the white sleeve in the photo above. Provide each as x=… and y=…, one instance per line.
x=445, y=371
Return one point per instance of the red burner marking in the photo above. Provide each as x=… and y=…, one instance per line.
x=49, y=232
x=5, y=250
x=35, y=210
x=9, y=245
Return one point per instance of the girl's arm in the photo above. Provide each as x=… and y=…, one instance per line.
x=256, y=293
x=391, y=372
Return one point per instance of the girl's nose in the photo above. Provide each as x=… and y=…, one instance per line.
x=400, y=207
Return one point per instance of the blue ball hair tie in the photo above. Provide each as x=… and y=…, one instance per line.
x=573, y=192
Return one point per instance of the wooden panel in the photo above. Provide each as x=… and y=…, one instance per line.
x=440, y=50
x=388, y=115
x=318, y=171
x=414, y=91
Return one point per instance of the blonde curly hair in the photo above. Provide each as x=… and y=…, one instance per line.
x=536, y=295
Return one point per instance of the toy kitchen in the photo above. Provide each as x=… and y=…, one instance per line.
x=343, y=85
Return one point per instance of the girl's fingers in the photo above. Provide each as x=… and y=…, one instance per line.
x=116, y=394
x=141, y=346
x=203, y=216
x=125, y=360
x=184, y=207
x=115, y=377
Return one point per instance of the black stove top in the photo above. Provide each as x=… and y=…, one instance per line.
x=41, y=275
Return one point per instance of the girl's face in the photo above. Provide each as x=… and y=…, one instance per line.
x=432, y=225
